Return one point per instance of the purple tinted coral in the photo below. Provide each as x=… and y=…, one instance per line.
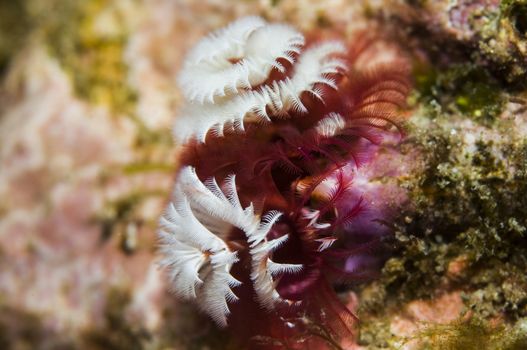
x=276, y=200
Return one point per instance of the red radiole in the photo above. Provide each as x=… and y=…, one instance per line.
x=269, y=208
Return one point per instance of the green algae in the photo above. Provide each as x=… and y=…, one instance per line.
x=501, y=40
x=465, y=204
x=479, y=34
x=116, y=332
x=185, y=328
x=466, y=333
x=461, y=88
x=88, y=38
x=375, y=333
x=470, y=204
x=15, y=27
x=91, y=55
x=468, y=199
x=21, y=330
x=122, y=218
x=472, y=334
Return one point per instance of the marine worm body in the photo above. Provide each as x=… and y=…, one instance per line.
x=270, y=208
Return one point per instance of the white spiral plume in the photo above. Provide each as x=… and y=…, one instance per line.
x=194, y=242
x=223, y=78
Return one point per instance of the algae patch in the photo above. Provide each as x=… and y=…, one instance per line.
x=89, y=39
x=472, y=334
x=15, y=27
x=461, y=88
x=466, y=230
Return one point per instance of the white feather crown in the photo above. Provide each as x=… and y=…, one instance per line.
x=193, y=237
x=222, y=76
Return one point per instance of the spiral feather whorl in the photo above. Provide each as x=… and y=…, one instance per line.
x=224, y=77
